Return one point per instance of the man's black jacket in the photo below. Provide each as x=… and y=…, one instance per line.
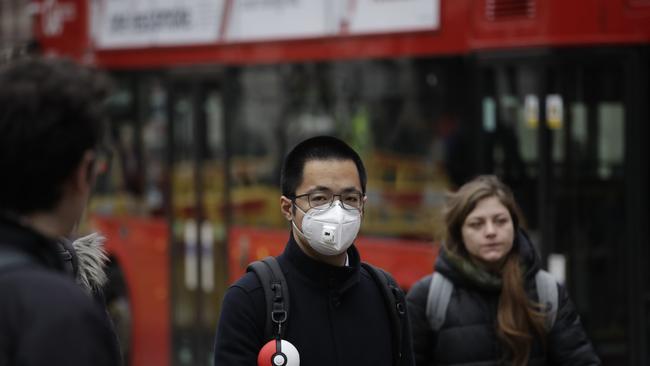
x=337, y=315
x=45, y=317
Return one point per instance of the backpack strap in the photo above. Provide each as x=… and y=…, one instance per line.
x=548, y=296
x=438, y=298
x=441, y=288
x=394, y=300
x=276, y=294
x=10, y=259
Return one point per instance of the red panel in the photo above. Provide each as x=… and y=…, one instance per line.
x=464, y=27
x=61, y=27
x=141, y=248
x=407, y=260
x=628, y=16
x=279, y=52
x=563, y=23
x=450, y=39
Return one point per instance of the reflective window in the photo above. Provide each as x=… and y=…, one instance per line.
x=119, y=191
x=573, y=126
x=404, y=117
x=134, y=182
x=154, y=142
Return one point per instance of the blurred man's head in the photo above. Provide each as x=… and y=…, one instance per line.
x=51, y=126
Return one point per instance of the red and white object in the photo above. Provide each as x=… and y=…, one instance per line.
x=278, y=353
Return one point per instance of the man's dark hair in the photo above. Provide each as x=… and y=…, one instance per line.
x=316, y=148
x=51, y=111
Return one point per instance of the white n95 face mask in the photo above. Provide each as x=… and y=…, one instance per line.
x=330, y=231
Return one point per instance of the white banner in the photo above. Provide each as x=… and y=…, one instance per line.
x=383, y=16
x=147, y=23
x=142, y=23
x=253, y=20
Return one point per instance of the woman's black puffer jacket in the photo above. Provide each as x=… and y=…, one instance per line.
x=468, y=335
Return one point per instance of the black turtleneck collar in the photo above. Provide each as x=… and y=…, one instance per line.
x=323, y=274
x=17, y=237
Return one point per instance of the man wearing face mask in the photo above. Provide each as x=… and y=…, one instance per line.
x=338, y=315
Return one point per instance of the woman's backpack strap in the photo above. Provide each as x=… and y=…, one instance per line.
x=438, y=298
x=548, y=296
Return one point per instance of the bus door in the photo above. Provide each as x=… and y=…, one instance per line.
x=197, y=216
x=553, y=126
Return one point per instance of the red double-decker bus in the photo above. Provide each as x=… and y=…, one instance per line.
x=210, y=94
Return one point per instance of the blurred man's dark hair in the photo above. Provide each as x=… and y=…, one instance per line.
x=50, y=113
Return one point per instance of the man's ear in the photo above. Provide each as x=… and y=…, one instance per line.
x=286, y=206
x=85, y=174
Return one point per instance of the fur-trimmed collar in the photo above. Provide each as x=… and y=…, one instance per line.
x=89, y=261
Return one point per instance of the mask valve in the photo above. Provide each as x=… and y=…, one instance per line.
x=328, y=235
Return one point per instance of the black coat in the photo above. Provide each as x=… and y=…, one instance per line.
x=337, y=315
x=45, y=318
x=468, y=335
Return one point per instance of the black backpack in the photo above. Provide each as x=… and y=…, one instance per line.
x=276, y=293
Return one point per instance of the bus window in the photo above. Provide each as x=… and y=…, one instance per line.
x=154, y=138
x=119, y=192
x=404, y=117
